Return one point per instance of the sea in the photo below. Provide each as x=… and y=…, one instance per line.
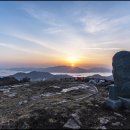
x=6, y=72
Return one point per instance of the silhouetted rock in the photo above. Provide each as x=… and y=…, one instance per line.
x=8, y=81
x=119, y=92
x=26, y=79
x=98, y=76
x=121, y=73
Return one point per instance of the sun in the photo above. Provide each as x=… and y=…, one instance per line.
x=72, y=65
x=72, y=60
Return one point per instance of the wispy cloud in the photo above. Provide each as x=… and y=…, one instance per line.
x=103, y=49
x=53, y=30
x=95, y=23
x=82, y=30
x=33, y=40
x=14, y=47
x=66, y=40
x=43, y=16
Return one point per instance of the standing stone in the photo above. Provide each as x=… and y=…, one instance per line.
x=119, y=93
x=113, y=95
x=121, y=73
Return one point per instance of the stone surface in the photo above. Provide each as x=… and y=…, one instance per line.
x=114, y=104
x=74, y=122
x=76, y=118
x=121, y=87
x=125, y=90
x=121, y=73
x=118, y=114
x=102, y=128
x=116, y=124
x=103, y=120
x=125, y=102
x=113, y=92
x=53, y=112
x=71, y=124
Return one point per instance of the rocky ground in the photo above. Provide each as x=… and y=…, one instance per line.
x=58, y=105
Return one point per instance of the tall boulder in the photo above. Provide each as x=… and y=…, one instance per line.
x=121, y=73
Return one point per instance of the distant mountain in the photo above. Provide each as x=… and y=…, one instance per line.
x=64, y=69
x=101, y=69
x=28, y=69
x=34, y=75
x=101, y=77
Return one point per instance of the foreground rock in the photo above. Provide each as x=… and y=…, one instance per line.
x=121, y=73
x=119, y=92
x=53, y=105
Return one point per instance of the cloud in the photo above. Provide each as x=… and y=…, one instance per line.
x=99, y=23
x=93, y=25
x=14, y=47
x=53, y=30
x=33, y=40
x=43, y=16
x=99, y=48
x=64, y=37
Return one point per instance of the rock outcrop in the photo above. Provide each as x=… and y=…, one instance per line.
x=53, y=105
x=121, y=73
x=8, y=81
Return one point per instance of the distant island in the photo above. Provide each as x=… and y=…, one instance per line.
x=65, y=69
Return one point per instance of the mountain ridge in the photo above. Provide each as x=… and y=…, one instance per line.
x=64, y=69
x=35, y=76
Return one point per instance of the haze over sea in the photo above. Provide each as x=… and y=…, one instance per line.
x=7, y=72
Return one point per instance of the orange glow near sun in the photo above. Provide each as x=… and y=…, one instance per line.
x=72, y=65
x=72, y=60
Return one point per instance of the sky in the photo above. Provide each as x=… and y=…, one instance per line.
x=76, y=33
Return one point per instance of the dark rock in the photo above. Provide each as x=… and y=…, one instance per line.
x=125, y=90
x=73, y=122
x=24, y=80
x=53, y=111
x=8, y=81
x=113, y=92
x=121, y=73
x=103, y=120
x=116, y=124
x=102, y=128
x=118, y=114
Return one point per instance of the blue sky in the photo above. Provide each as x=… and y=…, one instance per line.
x=40, y=34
